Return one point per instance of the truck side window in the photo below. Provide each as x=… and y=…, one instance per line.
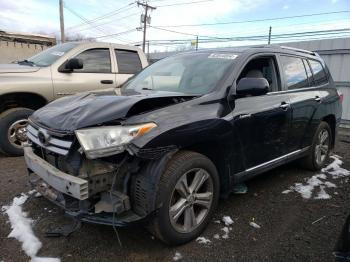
x=128, y=61
x=318, y=72
x=294, y=72
x=97, y=60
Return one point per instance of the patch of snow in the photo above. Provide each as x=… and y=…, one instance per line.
x=226, y=230
x=31, y=192
x=306, y=189
x=203, y=240
x=37, y=194
x=335, y=169
x=217, y=236
x=22, y=230
x=217, y=221
x=45, y=259
x=255, y=225
x=227, y=220
x=322, y=194
x=177, y=256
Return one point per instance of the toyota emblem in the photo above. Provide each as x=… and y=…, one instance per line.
x=43, y=138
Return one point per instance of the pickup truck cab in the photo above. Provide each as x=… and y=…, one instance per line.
x=180, y=134
x=62, y=70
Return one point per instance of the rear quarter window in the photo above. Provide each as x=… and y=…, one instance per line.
x=128, y=61
x=318, y=72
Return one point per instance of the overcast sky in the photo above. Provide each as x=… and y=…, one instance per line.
x=42, y=16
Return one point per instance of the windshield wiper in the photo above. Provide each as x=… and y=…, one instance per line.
x=25, y=61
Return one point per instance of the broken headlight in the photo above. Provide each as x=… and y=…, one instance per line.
x=109, y=140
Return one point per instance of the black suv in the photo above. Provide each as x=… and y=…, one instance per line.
x=181, y=133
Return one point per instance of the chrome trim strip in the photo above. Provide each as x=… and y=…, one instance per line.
x=32, y=130
x=60, y=143
x=51, y=148
x=278, y=159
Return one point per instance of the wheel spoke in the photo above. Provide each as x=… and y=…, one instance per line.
x=190, y=219
x=199, y=178
x=203, y=199
x=318, y=155
x=182, y=187
x=324, y=149
x=178, y=208
x=12, y=137
x=324, y=136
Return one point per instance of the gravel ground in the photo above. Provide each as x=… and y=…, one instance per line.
x=287, y=230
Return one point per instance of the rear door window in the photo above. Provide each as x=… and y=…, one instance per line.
x=97, y=60
x=128, y=61
x=319, y=74
x=294, y=72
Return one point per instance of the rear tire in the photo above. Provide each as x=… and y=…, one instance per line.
x=320, y=148
x=12, y=130
x=185, y=210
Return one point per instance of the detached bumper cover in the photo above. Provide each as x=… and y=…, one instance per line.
x=62, y=182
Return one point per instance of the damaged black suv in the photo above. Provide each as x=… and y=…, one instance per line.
x=181, y=133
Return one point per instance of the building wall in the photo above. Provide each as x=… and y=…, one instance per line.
x=12, y=51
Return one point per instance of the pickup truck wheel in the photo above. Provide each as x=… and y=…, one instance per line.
x=320, y=148
x=188, y=192
x=13, y=123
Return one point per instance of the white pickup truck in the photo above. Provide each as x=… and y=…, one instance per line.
x=59, y=71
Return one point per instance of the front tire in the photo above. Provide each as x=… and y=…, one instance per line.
x=13, y=124
x=320, y=148
x=188, y=191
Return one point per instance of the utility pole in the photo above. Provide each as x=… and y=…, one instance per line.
x=197, y=43
x=62, y=22
x=145, y=19
x=269, y=41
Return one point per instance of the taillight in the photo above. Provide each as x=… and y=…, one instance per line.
x=341, y=96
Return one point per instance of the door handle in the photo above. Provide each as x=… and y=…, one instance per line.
x=106, y=81
x=318, y=99
x=285, y=106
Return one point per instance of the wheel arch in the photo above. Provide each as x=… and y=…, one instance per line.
x=29, y=100
x=331, y=121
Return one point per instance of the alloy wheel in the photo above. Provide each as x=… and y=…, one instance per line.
x=191, y=200
x=17, y=133
x=322, y=146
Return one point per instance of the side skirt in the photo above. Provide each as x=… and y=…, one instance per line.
x=256, y=170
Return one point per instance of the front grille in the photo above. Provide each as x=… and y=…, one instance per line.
x=47, y=140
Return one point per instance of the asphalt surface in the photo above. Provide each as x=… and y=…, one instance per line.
x=292, y=228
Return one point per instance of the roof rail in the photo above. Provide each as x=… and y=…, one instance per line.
x=298, y=50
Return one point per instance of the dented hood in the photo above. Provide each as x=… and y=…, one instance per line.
x=90, y=109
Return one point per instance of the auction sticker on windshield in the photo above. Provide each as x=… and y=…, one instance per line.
x=57, y=53
x=223, y=56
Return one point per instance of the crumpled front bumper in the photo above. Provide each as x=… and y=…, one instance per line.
x=62, y=182
x=62, y=189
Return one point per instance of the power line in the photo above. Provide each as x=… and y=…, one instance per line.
x=258, y=37
x=185, y=3
x=117, y=34
x=89, y=22
x=256, y=20
x=111, y=21
x=106, y=15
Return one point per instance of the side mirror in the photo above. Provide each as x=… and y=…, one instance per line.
x=252, y=86
x=70, y=65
